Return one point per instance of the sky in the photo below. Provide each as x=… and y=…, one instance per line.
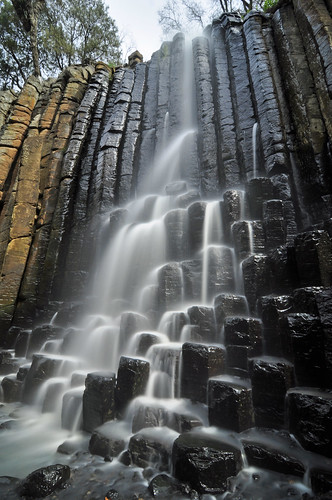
x=138, y=19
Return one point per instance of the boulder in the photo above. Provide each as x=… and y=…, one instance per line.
x=44, y=481
x=205, y=461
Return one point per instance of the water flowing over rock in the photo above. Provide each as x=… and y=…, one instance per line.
x=166, y=269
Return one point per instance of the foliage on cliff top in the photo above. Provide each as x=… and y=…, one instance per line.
x=68, y=32
x=188, y=15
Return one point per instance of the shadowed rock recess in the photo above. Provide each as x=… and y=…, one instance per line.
x=166, y=270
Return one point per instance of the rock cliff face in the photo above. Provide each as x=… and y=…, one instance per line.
x=75, y=148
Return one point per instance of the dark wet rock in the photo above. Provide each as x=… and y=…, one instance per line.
x=313, y=251
x=152, y=447
x=274, y=224
x=42, y=368
x=321, y=480
x=43, y=482
x=309, y=414
x=8, y=487
x=146, y=340
x=248, y=237
x=260, y=190
x=166, y=486
x=196, y=214
x=40, y=335
x=266, y=455
x=324, y=306
x=232, y=210
x=305, y=299
x=270, y=378
x=204, y=461
x=199, y=363
x=244, y=332
x=272, y=308
x=68, y=313
x=203, y=317
x=133, y=374
x=98, y=399
x=8, y=364
x=207, y=144
x=230, y=403
x=22, y=372
x=237, y=360
x=303, y=343
x=227, y=304
x=256, y=277
x=102, y=443
x=283, y=269
x=12, y=389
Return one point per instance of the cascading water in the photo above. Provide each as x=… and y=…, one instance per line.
x=168, y=333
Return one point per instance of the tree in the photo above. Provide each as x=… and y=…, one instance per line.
x=79, y=31
x=184, y=15
x=15, y=55
x=28, y=12
x=69, y=32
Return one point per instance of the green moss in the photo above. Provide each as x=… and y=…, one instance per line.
x=269, y=3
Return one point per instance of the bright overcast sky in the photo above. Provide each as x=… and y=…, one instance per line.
x=138, y=20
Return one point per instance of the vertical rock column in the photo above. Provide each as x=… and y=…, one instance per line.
x=52, y=279
x=207, y=139
x=107, y=169
x=81, y=236
x=127, y=170
x=231, y=174
x=56, y=124
x=266, y=102
x=311, y=138
x=20, y=189
x=244, y=116
x=148, y=135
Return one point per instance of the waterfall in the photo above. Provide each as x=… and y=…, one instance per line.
x=187, y=338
